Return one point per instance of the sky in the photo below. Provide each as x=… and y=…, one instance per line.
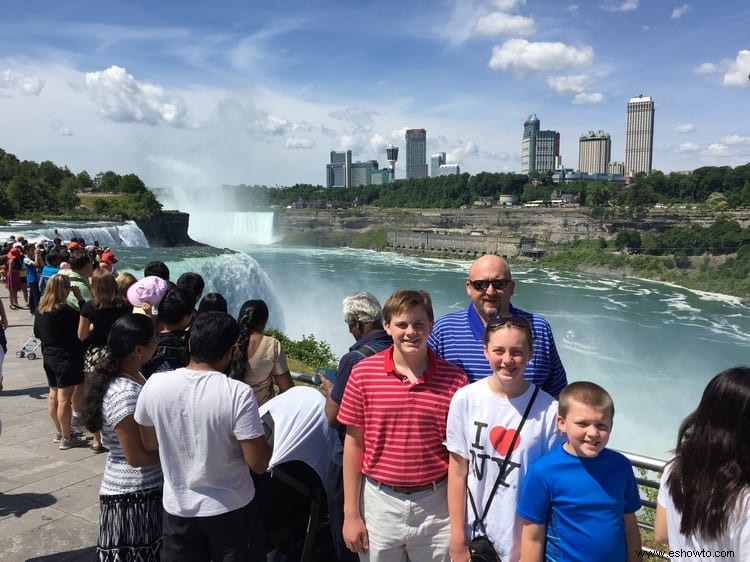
x=227, y=92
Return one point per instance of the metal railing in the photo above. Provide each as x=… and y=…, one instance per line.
x=644, y=480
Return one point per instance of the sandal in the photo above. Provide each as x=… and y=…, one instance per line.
x=98, y=449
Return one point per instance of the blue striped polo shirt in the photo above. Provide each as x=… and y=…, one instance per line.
x=457, y=338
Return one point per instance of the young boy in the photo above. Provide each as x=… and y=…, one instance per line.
x=579, y=501
x=395, y=407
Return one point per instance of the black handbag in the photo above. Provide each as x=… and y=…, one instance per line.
x=480, y=546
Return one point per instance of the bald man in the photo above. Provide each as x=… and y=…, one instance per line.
x=457, y=337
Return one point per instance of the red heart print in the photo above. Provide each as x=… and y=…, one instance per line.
x=501, y=437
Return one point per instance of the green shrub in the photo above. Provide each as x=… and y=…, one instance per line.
x=309, y=350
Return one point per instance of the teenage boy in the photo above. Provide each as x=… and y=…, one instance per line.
x=579, y=501
x=207, y=430
x=395, y=407
x=175, y=315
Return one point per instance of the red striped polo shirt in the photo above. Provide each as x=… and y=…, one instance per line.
x=404, y=423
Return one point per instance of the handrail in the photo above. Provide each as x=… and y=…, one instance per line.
x=652, y=465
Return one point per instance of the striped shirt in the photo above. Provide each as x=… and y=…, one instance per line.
x=119, y=477
x=458, y=338
x=403, y=423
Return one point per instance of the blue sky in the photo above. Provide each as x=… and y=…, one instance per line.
x=260, y=92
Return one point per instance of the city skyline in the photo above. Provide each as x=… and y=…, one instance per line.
x=236, y=93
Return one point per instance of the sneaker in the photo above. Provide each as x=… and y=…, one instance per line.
x=74, y=441
x=57, y=437
x=73, y=433
x=76, y=422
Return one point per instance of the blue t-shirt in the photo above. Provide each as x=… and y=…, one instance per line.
x=583, y=502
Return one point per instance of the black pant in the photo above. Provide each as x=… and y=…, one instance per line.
x=236, y=536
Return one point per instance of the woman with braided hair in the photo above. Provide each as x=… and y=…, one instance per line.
x=260, y=361
x=130, y=519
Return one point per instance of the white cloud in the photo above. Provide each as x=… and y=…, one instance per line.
x=625, y=6
x=568, y=84
x=524, y=57
x=463, y=151
x=680, y=11
x=398, y=135
x=734, y=140
x=686, y=147
x=499, y=23
x=716, y=149
x=121, y=98
x=684, y=128
x=378, y=143
x=738, y=71
x=507, y=5
x=297, y=143
x=573, y=8
x=58, y=126
x=705, y=68
x=589, y=99
x=23, y=85
x=357, y=119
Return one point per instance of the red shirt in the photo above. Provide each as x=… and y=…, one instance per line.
x=404, y=423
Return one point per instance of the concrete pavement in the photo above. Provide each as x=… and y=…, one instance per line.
x=49, y=499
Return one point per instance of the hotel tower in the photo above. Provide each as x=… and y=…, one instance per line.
x=639, y=135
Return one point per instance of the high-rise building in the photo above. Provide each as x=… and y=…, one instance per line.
x=540, y=150
x=436, y=161
x=547, y=151
x=391, y=153
x=528, y=144
x=368, y=173
x=594, y=152
x=639, y=135
x=616, y=168
x=416, y=153
x=449, y=170
x=339, y=171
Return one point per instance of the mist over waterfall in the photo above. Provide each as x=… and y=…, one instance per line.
x=232, y=229
x=118, y=234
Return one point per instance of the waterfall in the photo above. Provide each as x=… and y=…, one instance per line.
x=119, y=234
x=232, y=229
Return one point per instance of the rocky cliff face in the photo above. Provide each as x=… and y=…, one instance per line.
x=168, y=228
x=544, y=224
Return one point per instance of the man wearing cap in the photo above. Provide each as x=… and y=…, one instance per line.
x=458, y=337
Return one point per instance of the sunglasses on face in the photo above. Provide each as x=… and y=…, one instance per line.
x=484, y=284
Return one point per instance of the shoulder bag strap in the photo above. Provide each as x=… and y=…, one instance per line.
x=480, y=520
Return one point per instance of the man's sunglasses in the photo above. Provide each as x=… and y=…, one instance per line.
x=484, y=284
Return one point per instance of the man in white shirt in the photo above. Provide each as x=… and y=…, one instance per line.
x=207, y=429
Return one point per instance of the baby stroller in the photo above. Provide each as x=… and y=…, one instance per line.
x=29, y=349
x=291, y=495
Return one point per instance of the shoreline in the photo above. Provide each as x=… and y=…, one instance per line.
x=603, y=271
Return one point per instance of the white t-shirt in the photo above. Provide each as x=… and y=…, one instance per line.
x=736, y=539
x=119, y=477
x=480, y=428
x=199, y=416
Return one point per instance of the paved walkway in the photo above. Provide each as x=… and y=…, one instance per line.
x=49, y=499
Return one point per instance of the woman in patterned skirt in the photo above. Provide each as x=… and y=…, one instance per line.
x=130, y=493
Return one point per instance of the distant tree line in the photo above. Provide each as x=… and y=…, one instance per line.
x=717, y=187
x=29, y=189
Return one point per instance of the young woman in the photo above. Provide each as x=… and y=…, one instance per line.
x=704, y=498
x=130, y=493
x=483, y=419
x=13, y=275
x=56, y=325
x=97, y=317
x=261, y=361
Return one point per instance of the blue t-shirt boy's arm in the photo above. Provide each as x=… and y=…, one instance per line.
x=632, y=496
x=536, y=497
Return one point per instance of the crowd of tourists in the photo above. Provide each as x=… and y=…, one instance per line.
x=458, y=438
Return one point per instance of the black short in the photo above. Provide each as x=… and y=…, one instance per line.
x=62, y=369
x=236, y=536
